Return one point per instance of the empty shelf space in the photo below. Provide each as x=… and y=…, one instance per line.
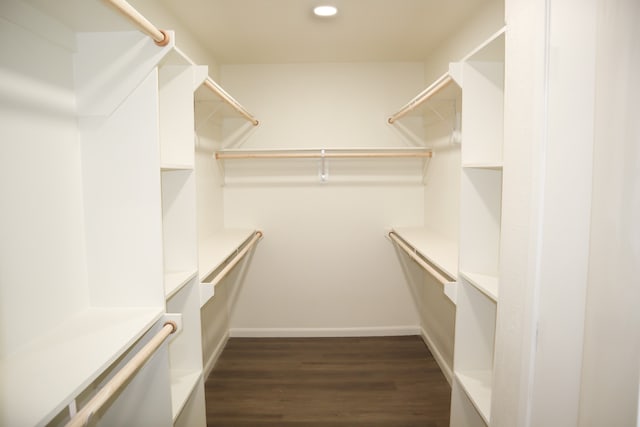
x=219, y=246
x=61, y=361
x=477, y=386
x=182, y=385
x=485, y=283
x=437, y=249
x=175, y=280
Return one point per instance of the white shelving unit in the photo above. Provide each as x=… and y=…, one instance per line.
x=103, y=223
x=474, y=85
x=87, y=238
x=178, y=78
x=482, y=77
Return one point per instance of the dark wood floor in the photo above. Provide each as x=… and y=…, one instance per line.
x=335, y=382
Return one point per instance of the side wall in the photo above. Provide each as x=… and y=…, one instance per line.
x=611, y=345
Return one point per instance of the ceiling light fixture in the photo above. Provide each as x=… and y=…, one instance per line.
x=325, y=10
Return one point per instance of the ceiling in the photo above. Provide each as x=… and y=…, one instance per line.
x=286, y=31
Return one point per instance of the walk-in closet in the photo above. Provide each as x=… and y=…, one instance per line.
x=197, y=195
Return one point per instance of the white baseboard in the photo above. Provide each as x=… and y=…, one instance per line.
x=208, y=367
x=444, y=367
x=323, y=332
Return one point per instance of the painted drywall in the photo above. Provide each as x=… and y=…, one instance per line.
x=324, y=265
x=555, y=85
x=611, y=346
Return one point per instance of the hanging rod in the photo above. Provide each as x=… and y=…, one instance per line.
x=434, y=88
x=323, y=154
x=160, y=37
x=229, y=100
x=236, y=259
x=422, y=263
x=113, y=386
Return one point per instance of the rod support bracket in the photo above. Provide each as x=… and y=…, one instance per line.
x=165, y=40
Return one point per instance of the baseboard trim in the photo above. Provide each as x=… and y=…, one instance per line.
x=211, y=363
x=446, y=369
x=323, y=332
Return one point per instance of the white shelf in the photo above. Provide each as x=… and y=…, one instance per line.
x=175, y=280
x=491, y=166
x=167, y=167
x=182, y=385
x=437, y=249
x=477, y=386
x=216, y=248
x=42, y=378
x=487, y=284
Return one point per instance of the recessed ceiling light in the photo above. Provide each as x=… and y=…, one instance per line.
x=325, y=10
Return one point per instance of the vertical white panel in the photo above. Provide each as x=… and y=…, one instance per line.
x=612, y=348
x=565, y=212
x=481, y=202
x=41, y=221
x=178, y=221
x=547, y=200
x=482, y=112
x=176, y=115
x=121, y=174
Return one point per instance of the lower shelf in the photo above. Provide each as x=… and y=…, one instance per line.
x=67, y=360
x=174, y=281
x=477, y=387
x=183, y=384
x=216, y=248
x=487, y=284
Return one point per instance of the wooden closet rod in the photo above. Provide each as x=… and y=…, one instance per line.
x=160, y=37
x=236, y=259
x=229, y=100
x=115, y=384
x=320, y=154
x=434, y=88
x=422, y=263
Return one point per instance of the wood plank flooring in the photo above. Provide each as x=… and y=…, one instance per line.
x=333, y=382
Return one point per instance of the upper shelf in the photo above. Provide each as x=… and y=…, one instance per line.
x=439, y=100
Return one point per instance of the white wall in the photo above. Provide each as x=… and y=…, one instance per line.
x=612, y=346
x=324, y=266
x=570, y=191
